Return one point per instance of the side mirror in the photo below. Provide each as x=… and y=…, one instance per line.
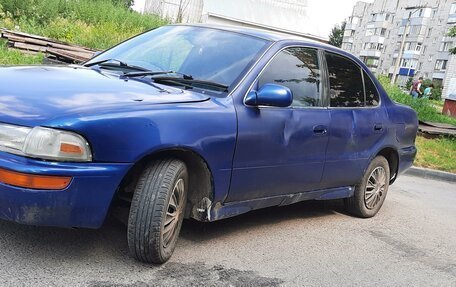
x=270, y=95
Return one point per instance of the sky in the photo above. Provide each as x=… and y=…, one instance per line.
x=324, y=13
x=327, y=13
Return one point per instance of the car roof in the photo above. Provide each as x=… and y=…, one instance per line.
x=265, y=34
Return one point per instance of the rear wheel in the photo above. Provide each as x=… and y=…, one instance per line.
x=371, y=192
x=157, y=211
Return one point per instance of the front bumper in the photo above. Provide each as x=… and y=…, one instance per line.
x=84, y=203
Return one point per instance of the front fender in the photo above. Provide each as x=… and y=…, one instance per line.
x=208, y=128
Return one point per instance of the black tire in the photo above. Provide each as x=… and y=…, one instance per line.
x=152, y=205
x=368, y=198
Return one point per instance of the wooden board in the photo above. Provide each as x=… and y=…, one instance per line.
x=76, y=56
x=6, y=33
x=33, y=41
x=29, y=47
x=436, y=131
x=438, y=125
x=33, y=44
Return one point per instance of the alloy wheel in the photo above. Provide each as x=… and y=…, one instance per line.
x=173, y=213
x=375, y=187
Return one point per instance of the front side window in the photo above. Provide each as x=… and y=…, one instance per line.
x=297, y=69
x=345, y=82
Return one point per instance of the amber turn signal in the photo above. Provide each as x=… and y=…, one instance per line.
x=34, y=181
x=71, y=148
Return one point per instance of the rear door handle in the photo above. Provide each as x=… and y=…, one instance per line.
x=378, y=127
x=320, y=130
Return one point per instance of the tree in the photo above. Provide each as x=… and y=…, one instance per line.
x=183, y=5
x=452, y=33
x=336, y=35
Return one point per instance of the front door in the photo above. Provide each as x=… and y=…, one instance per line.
x=282, y=150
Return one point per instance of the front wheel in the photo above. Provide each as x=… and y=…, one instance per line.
x=370, y=193
x=157, y=211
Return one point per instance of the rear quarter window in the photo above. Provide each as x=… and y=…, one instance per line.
x=372, y=96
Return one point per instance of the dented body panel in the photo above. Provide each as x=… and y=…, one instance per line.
x=252, y=157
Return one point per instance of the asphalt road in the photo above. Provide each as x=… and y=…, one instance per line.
x=411, y=242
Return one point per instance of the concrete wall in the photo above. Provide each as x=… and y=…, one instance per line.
x=291, y=15
x=283, y=14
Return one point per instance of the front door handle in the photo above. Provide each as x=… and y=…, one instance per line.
x=378, y=127
x=320, y=130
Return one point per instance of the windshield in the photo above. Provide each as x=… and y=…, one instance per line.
x=204, y=53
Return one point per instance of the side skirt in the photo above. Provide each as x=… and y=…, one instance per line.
x=221, y=211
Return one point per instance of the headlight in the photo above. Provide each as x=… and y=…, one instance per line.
x=12, y=138
x=44, y=143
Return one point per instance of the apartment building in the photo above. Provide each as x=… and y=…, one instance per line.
x=375, y=31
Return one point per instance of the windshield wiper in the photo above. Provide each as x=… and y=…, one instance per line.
x=188, y=81
x=121, y=64
x=152, y=73
x=183, y=80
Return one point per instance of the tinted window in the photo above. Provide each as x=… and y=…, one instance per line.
x=345, y=82
x=297, y=69
x=372, y=97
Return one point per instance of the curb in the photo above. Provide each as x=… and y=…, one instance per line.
x=431, y=174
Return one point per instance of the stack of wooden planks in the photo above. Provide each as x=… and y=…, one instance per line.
x=55, y=51
x=436, y=129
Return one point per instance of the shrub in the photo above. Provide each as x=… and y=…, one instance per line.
x=436, y=91
x=409, y=83
x=97, y=24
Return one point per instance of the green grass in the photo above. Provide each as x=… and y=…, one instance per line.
x=437, y=153
x=427, y=110
x=97, y=24
x=438, y=104
x=14, y=57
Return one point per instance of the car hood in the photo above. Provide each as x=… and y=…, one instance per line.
x=35, y=95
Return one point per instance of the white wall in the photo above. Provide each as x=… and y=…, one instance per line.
x=449, y=83
x=284, y=14
x=315, y=17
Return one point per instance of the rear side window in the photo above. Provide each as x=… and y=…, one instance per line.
x=345, y=82
x=298, y=69
x=372, y=97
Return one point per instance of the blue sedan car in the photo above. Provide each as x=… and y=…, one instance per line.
x=196, y=122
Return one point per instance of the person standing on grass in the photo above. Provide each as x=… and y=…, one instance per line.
x=415, y=90
x=428, y=91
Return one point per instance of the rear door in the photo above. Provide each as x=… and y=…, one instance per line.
x=357, y=118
